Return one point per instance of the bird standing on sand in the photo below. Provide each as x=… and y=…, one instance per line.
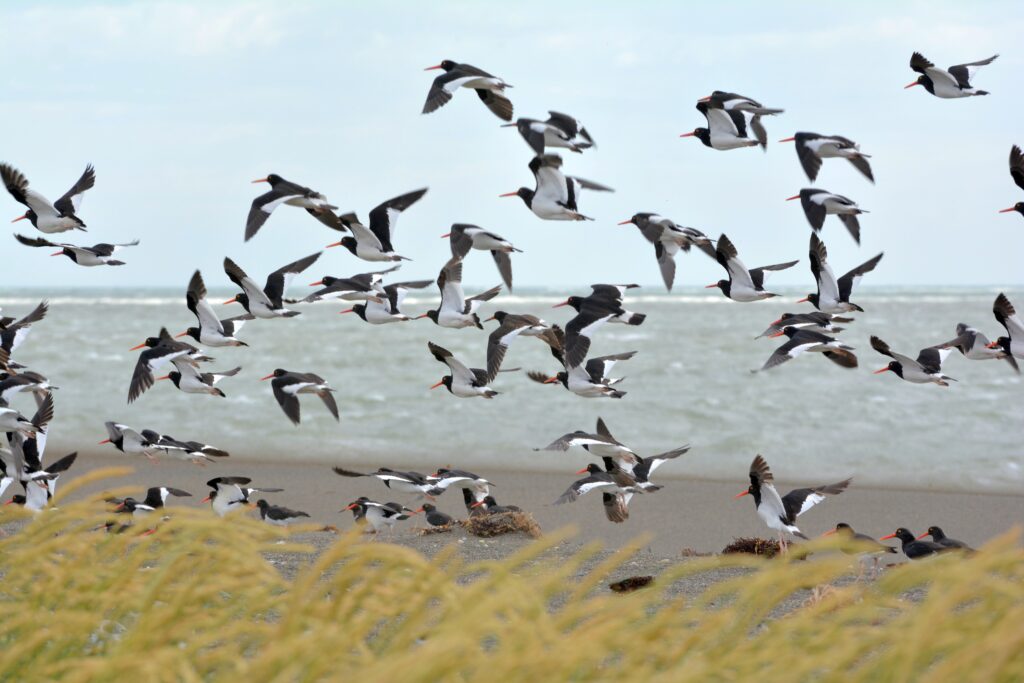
x=288, y=385
x=556, y=195
x=948, y=83
x=780, y=513
x=232, y=493
x=47, y=217
x=560, y=130
x=743, y=285
x=490, y=89
x=435, y=517
x=464, y=237
x=819, y=203
x=913, y=548
x=277, y=515
x=861, y=544
x=464, y=382
x=927, y=369
x=97, y=255
x=1017, y=173
x=285, y=192
x=381, y=516
x=266, y=303
x=811, y=148
x=668, y=239
x=939, y=536
x=833, y=296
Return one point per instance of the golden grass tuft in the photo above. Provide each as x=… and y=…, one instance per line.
x=502, y=523
x=198, y=601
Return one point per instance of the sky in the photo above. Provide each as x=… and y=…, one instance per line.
x=180, y=104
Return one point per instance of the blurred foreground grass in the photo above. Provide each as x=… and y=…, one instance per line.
x=198, y=601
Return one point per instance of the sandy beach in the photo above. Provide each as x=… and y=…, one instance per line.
x=687, y=515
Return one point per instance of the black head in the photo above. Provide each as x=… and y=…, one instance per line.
x=924, y=80
x=592, y=468
x=894, y=367
x=193, y=332
x=904, y=535
x=702, y=134
x=574, y=302
x=790, y=331
x=843, y=527
x=524, y=193
x=327, y=281
x=446, y=382
x=241, y=298
x=431, y=314
x=151, y=342
x=278, y=372
x=489, y=501
x=813, y=298
x=175, y=377
x=638, y=219
x=427, y=507
x=1001, y=343
x=1018, y=207
x=126, y=505
x=936, y=533
x=16, y=500
x=349, y=243
x=262, y=505
x=360, y=310
x=274, y=179
x=446, y=64
x=499, y=316
x=723, y=285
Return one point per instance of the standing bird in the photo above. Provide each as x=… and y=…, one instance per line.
x=668, y=239
x=188, y=379
x=803, y=341
x=374, y=243
x=974, y=345
x=464, y=237
x=947, y=83
x=211, y=331
x=435, y=517
x=811, y=148
x=288, y=385
x=59, y=216
x=1006, y=314
x=819, y=203
x=743, y=285
x=780, y=513
x=555, y=195
x=403, y=482
x=490, y=89
x=268, y=302
x=464, y=382
x=833, y=296
x=560, y=130
x=927, y=369
x=160, y=350
x=97, y=255
x=228, y=494
x=913, y=548
x=939, y=536
x=1017, y=173
x=510, y=326
x=285, y=192
x=456, y=311
x=277, y=515
x=491, y=507
x=589, y=379
x=388, y=308
x=861, y=544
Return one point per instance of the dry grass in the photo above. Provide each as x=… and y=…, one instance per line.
x=197, y=602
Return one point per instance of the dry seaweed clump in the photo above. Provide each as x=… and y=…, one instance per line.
x=487, y=526
x=631, y=584
x=431, y=530
x=752, y=546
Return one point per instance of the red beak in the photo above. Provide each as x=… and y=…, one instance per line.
x=564, y=303
x=830, y=531
x=164, y=377
x=777, y=334
x=347, y=310
x=352, y=506
x=231, y=301
x=438, y=384
x=447, y=234
x=922, y=535
x=704, y=99
x=791, y=140
x=583, y=471
x=58, y=253
x=886, y=538
x=625, y=222
x=740, y=495
x=905, y=87
x=550, y=380
x=318, y=283
x=879, y=372
x=333, y=244
x=103, y=442
x=992, y=345
x=804, y=300
x=477, y=504
x=489, y=319
x=136, y=348
x=419, y=511
x=183, y=334
x=206, y=500
x=20, y=218
x=431, y=68
x=261, y=180
x=420, y=316
x=1012, y=208
x=789, y=199
x=688, y=135
x=509, y=194
x=711, y=286
x=267, y=377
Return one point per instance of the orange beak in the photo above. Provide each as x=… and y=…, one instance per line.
x=420, y=316
x=911, y=86
x=489, y=319
x=804, y=300
x=789, y=199
x=480, y=502
x=438, y=384
x=353, y=506
x=10, y=502
x=318, y=283
x=740, y=495
x=164, y=377
x=261, y=180
x=789, y=140
x=20, y=218
x=231, y=301
x=922, y=535
x=583, y=471
x=206, y=500
x=347, y=310
x=830, y=531
x=704, y=99
x=136, y=348
x=712, y=286
x=688, y=135
x=333, y=244
x=58, y=253
x=550, y=380
x=267, y=377
x=431, y=68
x=564, y=303
x=1012, y=208
x=777, y=334
x=447, y=234
x=103, y=442
x=992, y=345
x=893, y=535
x=879, y=372
x=509, y=194
x=625, y=222
x=179, y=336
x=419, y=511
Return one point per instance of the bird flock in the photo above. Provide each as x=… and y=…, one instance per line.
x=733, y=122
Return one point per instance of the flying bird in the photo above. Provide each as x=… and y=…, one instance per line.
x=289, y=385
x=188, y=379
x=604, y=304
x=285, y=192
x=361, y=287
x=803, y=341
x=97, y=255
x=743, y=285
x=560, y=130
x=59, y=216
x=819, y=203
x=811, y=148
x=211, y=331
x=816, y=322
x=387, y=309
x=403, y=482
x=14, y=332
x=464, y=237
x=374, y=243
x=729, y=128
x=589, y=379
x=833, y=296
x=668, y=239
x=490, y=89
x=268, y=302
x=457, y=311
x=947, y=83
x=1017, y=173
x=1006, y=314
x=160, y=350
x=464, y=382
x=555, y=195
x=974, y=345
x=927, y=369
x=512, y=325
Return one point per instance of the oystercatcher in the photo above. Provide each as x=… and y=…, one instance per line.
x=374, y=243
x=560, y=130
x=616, y=481
x=464, y=382
x=816, y=322
x=435, y=517
x=780, y=513
x=381, y=516
x=668, y=239
x=913, y=548
x=974, y=345
x=187, y=378
x=160, y=350
x=446, y=477
x=403, y=482
x=232, y=493
x=939, y=536
x=811, y=148
x=1006, y=314
x=267, y=302
x=490, y=89
x=59, y=216
x=491, y=507
x=361, y=287
x=288, y=385
x=833, y=296
x=388, y=308
x=589, y=380
x=278, y=515
x=819, y=203
x=927, y=369
x=1017, y=173
x=464, y=237
x=211, y=331
x=292, y=194
x=156, y=499
x=743, y=285
x=804, y=341
x=14, y=332
x=512, y=325
x=861, y=544
x=456, y=311
x=555, y=195
x=947, y=83
x=97, y=255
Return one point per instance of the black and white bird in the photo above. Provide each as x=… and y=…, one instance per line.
x=228, y=494
x=490, y=89
x=40, y=483
x=1013, y=343
x=446, y=477
x=811, y=148
x=388, y=309
x=974, y=345
x=23, y=382
x=285, y=192
x=491, y=507
x=266, y=303
x=730, y=101
x=435, y=517
x=668, y=239
x=97, y=255
x=614, y=482
x=156, y=499
x=589, y=379
x=780, y=512
x=211, y=331
x=640, y=467
x=45, y=216
x=278, y=515
x=927, y=369
x=947, y=83
x=833, y=296
x=807, y=341
x=13, y=332
x=464, y=237
x=191, y=451
x=187, y=378
x=729, y=128
x=815, y=322
x=512, y=325
x=600, y=444
x=913, y=548
x=456, y=311
x=464, y=382
x=861, y=544
x=160, y=350
x=560, y=130
x=604, y=304
x=289, y=385
x=403, y=482
x=361, y=287
x=819, y=203
x=1017, y=173
x=381, y=516
x=743, y=285
x=939, y=536
x=556, y=195
x=374, y=243
x=13, y=421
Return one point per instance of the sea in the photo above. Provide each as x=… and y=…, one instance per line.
x=692, y=381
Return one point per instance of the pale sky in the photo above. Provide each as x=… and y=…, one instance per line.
x=180, y=104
